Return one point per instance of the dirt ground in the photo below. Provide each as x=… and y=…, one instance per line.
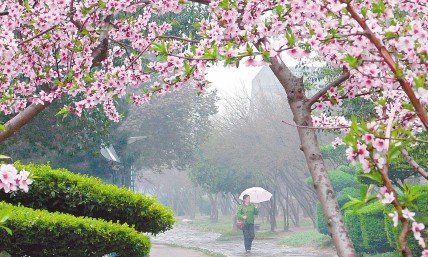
x=160, y=250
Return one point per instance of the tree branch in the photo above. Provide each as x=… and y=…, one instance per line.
x=393, y=65
x=416, y=167
x=38, y=35
x=345, y=75
x=17, y=122
x=4, y=13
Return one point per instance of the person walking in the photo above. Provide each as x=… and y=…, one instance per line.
x=246, y=212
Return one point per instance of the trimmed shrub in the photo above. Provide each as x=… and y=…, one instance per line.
x=63, y=191
x=422, y=209
x=320, y=220
x=40, y=233
x=352, y=222
x=373, y=230
x=343, y=196
x=339, y=179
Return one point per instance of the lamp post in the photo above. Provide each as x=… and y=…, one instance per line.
x=110, y=154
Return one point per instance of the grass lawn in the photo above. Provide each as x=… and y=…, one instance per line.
x=306, y=238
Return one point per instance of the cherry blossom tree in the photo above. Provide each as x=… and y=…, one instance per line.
x=95, y=51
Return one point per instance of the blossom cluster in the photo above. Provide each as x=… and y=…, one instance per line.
x=11, y=180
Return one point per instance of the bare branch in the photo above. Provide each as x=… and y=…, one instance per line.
x=38, y=35
x=345, y=75
x=4, y=13
x=321, y=128
x=416, y=167
x=179, y=38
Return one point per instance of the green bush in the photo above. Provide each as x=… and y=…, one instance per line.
x=371, y=230
x=352, y=222
x=63, y=191
x=340, y=178
x=421, y=209
x=40, y=233
x=320, y=220
x=343, y=196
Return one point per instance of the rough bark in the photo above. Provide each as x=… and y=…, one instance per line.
x=309, y=145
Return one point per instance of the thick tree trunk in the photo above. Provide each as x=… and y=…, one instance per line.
x=309, y=145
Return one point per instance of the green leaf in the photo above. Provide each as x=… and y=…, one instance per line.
x=224, y=4
x=4, y=218
x=291, y=39
x=4, y=157
x=375, y=176
x=8, y=230
x=86, y=10
x=101, y=4
x=64, y=111
x=364, y=11
x=378, y=7
x=419, y=81
x=88, y=78
x=354, y=62
x=390, y=34
x=2, y=127
x=279, y=9
x=399, y=74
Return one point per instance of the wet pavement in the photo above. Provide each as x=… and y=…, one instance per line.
x=186, y=237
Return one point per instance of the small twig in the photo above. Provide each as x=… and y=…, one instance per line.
x=404, y=139
x=179, y=38
x=4, y=13
x=38, y=35
x=345, y=75
x=416, y=167
x=309, y=127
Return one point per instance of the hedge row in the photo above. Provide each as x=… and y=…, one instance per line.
x=41, y=233
x=342, y=198
x=371, y=230
x=63, y=191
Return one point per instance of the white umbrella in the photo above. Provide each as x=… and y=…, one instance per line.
x=257, y=194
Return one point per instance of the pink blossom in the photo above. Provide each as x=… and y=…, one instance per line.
x=379, y=161
x=394, y=217
x=351, y=155
x=388, y=198
x=425, y=253
x=368, y=138
x=421, y=242
x=417, y=228
x=366, y=165
x=408, y=214
x=379, y=144
x=362, y=151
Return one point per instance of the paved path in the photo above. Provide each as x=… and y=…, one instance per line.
x=187, y=237
x=159, y=250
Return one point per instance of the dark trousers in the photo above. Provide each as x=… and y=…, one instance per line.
x=248, y=232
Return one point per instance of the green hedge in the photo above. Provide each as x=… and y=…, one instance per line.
x=41, y=233
x=421, y=212
x=339, y=179
x=63, y=191
x=342, y=198
x=353, y=226
x=371, y=230
x=320, y=220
